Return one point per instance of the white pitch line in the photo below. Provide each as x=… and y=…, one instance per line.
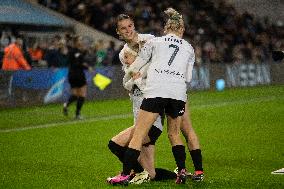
x=124, y=116
x=49, y=125
x=236, y=102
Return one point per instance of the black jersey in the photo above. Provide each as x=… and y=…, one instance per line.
x=76, y=75
x=76, y=59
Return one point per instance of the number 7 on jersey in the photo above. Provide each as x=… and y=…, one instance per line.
x=174, y=53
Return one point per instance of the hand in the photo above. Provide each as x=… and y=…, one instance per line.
x=136, y=75
x=141, y=44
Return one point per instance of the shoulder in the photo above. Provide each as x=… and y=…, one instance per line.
x=123, y=49
x=188, y=46
x=143, y=37
x=125, y=46
x=156, y=39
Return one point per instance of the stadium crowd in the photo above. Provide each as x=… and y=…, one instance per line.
x=218, y=32
x=52, y=52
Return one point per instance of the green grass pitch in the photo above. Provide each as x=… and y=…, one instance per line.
x=241, y=132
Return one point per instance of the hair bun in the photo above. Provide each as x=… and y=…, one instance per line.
x=173, y=14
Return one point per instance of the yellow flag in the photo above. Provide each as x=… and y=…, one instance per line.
x=101, y=81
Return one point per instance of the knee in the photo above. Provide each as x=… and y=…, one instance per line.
x=112, y=146
x=172, y=136
x=153, y=134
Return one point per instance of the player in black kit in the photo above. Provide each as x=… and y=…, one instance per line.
x=76, y=76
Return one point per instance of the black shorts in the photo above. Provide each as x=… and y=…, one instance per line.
x=153, y=134
x=77, y=80
x=171, y=107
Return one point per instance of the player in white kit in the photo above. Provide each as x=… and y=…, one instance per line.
x=135, y=41
x=171, y=61
x=118, y=144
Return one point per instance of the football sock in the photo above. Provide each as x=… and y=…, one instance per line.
x=80, y=102
x=137, y=167
x=179, y=155
x=117, y=150
x=197, y=159
x=130, y=160
x=71, y=99
x=163, y=174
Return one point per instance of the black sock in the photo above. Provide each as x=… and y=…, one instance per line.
x=163, y=174
x=117, y=150
x=130, y=160
x=179, y=154
x=80, y=103
x=197, y=159
x=71, y=99
x=137, y=167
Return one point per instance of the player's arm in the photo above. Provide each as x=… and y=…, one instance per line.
x=127, y=81
x=19, y=57
x=190, y=64
x=143, y=70
x=143, y=57
x=140, y=81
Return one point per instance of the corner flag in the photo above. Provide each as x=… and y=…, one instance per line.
x=101, y=81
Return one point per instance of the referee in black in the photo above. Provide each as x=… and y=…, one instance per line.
x=76, y=76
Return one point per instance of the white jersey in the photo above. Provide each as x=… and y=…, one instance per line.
x=128, y=82
x=141, y=38
x=136, y=95
x=171, y=63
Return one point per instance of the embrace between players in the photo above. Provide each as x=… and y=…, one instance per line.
x=156, y=72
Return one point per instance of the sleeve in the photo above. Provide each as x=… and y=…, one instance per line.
x=141, y=83
x=120, y=55
x=127, y=80
x=144, y=55
x=143, y=70
x=21, y=60
x=190, y=64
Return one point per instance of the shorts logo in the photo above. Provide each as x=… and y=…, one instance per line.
x=181, y=111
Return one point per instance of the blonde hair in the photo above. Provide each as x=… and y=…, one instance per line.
x=175, y=21
x=130, y=51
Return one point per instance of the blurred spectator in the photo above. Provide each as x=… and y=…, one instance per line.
x=221, y=32
x=26, y=52
x=36, y=54
x=4, y=42
x=55, y=55
x=110, y=52
x=63, y=54
x=14, y=57
x=100, y=53
x=198, y=56
x=116, y=60
x=90, y=57
x=97, y=16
